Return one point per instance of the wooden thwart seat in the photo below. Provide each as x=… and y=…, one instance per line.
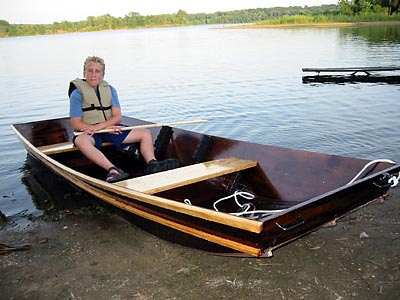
x=158, y=182
x=61, y=147
x=57, y=148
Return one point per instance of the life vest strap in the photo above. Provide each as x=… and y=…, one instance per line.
x=93, y=107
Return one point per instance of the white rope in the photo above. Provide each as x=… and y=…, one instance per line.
x=367, y=165
x=187, y=201
x=244, y=195
x=246, y=207
x=395, y=180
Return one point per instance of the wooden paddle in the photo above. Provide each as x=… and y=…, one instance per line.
x=146, y=126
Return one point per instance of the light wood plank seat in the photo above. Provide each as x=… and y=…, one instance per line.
x=61, y=147
x=158, y=182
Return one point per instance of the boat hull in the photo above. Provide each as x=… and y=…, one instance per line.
x=304, y=190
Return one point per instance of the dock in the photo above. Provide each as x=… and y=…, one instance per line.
x=353, y=74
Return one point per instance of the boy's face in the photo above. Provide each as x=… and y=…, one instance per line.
x=94, y=74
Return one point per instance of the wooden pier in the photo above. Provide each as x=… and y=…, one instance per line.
x=352, y=74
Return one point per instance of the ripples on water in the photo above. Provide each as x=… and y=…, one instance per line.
x=247, y=83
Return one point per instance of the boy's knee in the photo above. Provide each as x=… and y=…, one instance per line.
x=82, y=141
x=147, y=134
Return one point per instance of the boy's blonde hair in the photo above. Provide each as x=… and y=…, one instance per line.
x=96, y=59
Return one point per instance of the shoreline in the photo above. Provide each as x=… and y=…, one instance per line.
x=252, y=26
x=328, y=25
x=102, y=256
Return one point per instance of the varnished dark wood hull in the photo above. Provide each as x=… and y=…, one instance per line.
x=310, y=188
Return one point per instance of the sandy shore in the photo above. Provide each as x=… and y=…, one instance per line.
x=101, y=256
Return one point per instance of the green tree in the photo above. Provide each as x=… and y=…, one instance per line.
x=181, y=17
x=392, y=5
x=345, y=8
x=349, y=7
x=4, y=28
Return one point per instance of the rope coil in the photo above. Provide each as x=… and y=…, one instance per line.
x=244, y=195
x=246, y=207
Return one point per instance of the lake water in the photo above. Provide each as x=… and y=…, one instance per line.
x=246, y=82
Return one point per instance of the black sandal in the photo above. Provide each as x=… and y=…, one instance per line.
x=155, y=166
x=116, y=176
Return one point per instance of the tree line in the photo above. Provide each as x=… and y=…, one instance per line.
x=354, y=7
x=181, y=18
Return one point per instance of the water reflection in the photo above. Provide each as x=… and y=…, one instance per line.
x=51, y=194
x=389, y=34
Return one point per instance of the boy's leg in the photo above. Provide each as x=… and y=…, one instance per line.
x=145, y=138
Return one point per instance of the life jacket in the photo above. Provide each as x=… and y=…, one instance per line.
x=96, y=107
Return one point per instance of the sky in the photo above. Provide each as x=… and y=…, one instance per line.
x=49, y=11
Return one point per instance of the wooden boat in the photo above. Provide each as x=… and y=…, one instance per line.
x=229, y=197
x=352, y=74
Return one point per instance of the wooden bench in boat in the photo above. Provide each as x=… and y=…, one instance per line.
x=158, y=182
x=61, y=147
x=355, y=70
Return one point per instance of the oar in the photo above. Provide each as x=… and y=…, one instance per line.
x=146, y=126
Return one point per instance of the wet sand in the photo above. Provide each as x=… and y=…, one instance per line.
x=100, y=255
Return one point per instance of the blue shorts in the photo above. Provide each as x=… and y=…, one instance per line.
x=116, y=139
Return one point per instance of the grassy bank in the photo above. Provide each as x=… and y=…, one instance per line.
x=329, y=19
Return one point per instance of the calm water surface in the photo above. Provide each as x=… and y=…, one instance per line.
x=246, y=82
